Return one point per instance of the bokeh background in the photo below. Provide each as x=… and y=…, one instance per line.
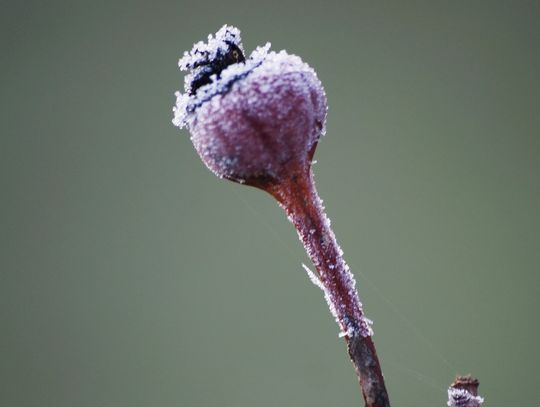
x=131, y=276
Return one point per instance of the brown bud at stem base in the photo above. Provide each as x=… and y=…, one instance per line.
x=463, y=392
x=468, y=383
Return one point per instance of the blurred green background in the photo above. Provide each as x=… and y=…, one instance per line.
x=131, y=276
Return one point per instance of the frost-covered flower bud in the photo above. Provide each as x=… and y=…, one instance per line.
x=252, y=120
x=257, y=121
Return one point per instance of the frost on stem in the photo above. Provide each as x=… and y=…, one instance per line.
x=348, y=328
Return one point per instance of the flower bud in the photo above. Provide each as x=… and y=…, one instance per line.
x=251, y=120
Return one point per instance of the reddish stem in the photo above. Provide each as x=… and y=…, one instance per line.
x=298, y=196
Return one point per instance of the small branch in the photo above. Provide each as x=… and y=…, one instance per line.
x=463, y=392
x=298, y=196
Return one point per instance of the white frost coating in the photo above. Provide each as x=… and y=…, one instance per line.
x=204, y=52
x=186, y=103
x=268, y=64
x=314, y=279
x=328, y=297
x=348, y=328
x=348, y=332
x=463, y=398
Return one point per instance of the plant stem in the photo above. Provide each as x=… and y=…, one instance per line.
x=298, y=196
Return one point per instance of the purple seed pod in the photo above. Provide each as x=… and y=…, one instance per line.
x=251, y=120
x=257, y=121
